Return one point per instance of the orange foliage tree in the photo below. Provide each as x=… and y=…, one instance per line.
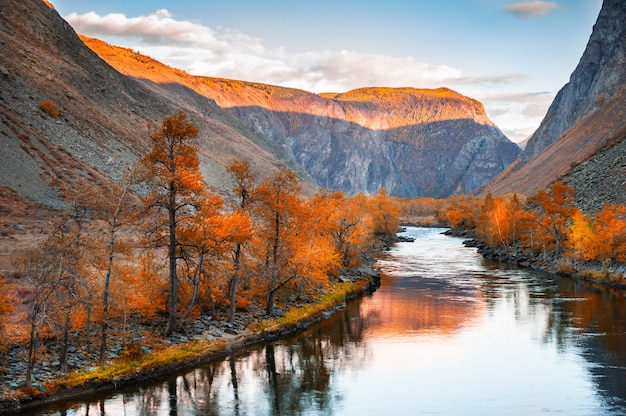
x=610, y=228
x=385, y=212
x=462, y=212
x=279, y=201
x=581, y=237
x=346, y=223
x=113, y=210
x=201, y=243
x=173, y=175
x=553, y=208
x=239, y=223
x=500, y=221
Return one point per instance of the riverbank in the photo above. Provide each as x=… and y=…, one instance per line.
x=183, y=353
x=601, y=274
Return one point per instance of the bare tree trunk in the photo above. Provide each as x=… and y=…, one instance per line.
x=233, y=283
x=105, y=299
x=32, y=349
x=274, y=269
x=196, y=286
x=172, y=324
x=64, y=345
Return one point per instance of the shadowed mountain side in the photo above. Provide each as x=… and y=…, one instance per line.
x=103, y=116
x=588, y=114
x=354, y=141
x=428, y=159
x=579, y=144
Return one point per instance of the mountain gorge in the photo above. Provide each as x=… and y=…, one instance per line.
x=412, y=142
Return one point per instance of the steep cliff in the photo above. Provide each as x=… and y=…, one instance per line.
x=600, y=74
x=588, y=113
x=412, y=142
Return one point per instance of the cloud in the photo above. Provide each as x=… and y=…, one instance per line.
x=531, y=8
x=200, y=50
x=517, y=114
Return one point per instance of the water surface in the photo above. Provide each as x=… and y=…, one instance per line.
x=448, y=333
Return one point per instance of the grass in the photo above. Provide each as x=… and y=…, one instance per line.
x=337, y=296
x=605, y=274
x=125, y=367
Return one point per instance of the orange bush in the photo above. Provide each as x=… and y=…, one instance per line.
x=49, y=107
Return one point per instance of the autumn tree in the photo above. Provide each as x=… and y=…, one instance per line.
x=462, y=212
x=499, y=221
x=278, y=197
x=385, y=213
x=581, y=237
x=346, y=222
x=553, y=208
x=74, y=290
x=112, y=208
x=610, y=229
x=239, y=225
x=312, y=256
x=173, y=175
x=47, y=269
x=201, y=242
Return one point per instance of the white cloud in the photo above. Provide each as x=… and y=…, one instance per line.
x=531, y=8
x=517, y=114
x=200, y=50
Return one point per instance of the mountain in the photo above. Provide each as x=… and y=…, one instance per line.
x=412, y=142
x=587, y=115
x=103, y=115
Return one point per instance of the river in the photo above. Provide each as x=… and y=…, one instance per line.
x=447, y=333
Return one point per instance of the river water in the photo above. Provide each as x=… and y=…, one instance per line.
x=447, y=333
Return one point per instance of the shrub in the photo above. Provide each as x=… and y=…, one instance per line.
x=49, y=107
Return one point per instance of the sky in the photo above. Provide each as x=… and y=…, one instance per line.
x=513, y=56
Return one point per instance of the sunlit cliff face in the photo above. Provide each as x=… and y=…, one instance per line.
x=372, y=108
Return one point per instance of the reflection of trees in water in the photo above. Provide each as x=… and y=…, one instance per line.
x=289, y=377
x=298, y=372
x=579, y=315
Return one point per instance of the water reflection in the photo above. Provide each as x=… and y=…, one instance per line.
x=447, y=333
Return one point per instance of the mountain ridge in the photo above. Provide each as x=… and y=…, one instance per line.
x=280, y=113
x=414, y=142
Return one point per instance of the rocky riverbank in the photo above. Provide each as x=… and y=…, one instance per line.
x=614, y=276
x=139, y=354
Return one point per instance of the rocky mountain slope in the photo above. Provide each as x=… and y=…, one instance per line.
x=588, y=114
x=412, y=142
x=101, y=127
